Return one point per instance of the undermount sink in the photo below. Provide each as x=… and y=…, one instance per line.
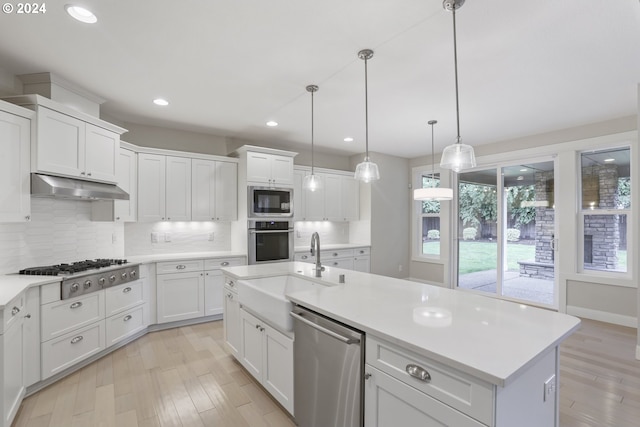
x=266, y=297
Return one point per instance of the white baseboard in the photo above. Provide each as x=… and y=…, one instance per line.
x=603, y=316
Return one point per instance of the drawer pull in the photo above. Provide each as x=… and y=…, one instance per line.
x=77, y=339
x=181, y=267
x=304, y=257
x=224, y=263
x=230, y=296
x=231, y=283
x=417, y=372
x=335, y=263
x=76, y=304
x=127, y=318
x=14, y=311
x=126, y=290
x=335, y=254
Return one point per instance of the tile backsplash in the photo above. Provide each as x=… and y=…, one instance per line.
x=330, y=232
x=59, y=231
x=146, y=238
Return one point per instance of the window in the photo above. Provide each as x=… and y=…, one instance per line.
x=429, y=219
x=605, y=208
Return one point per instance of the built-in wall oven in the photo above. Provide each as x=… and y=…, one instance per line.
x=270, y=240
x=265, y=202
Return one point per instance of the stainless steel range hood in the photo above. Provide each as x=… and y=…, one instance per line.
x=69, y=188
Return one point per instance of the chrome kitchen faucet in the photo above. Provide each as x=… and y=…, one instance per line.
x=315, y=250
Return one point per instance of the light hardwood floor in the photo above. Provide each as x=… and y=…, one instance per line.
x=185, y=377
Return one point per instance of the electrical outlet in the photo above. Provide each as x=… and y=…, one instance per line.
x=155, y=237
x=211, y=236
x=167, y=237
x=549, y=388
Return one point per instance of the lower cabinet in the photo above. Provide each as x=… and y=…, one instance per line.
x=231, y=318
x=268, y=355
x=357, y=259
x=11, y=344
x=65, y=351
x=180, y=296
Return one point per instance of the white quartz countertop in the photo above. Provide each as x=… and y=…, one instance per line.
x=11, y=285
x=332, y=247
x=492, y=339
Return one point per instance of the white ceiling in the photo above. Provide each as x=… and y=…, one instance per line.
x=228, y=66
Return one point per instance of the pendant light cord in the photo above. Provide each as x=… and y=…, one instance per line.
x=455, y=66
x=433, y=153
x=366, y=111
x=312, y=150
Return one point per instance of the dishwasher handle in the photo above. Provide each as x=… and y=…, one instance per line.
x=346, y=340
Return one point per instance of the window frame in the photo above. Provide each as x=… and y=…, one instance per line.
x=417, y=216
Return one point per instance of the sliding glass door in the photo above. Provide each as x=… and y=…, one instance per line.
x=506, y=232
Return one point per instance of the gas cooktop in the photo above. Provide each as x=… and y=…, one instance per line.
x=72, y=268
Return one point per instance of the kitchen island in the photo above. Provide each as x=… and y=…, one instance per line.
x=492, y=362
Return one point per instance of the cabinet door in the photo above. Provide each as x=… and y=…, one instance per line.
x=259, y=168
x=203, y=189
x=31, y=339
x=251, y=331
x=100, y=154
x=126, y=177
x=13, y=366
x=60, y=143
x=226, y=191
x=282, y=171
x=178, y=184
x=350, y=198
x=15, y=185
x=180, y=296
x=299, y=211
x=278, y=367
x=362, y=263
x=213, y=292
x=232, y=322
x=390, y=403
x=151, y=187
x=314, y=202
x=333, y=199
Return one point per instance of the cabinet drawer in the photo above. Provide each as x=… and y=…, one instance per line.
x=461, y=391
x=61, y=317
x=65, y=351
x=123, y=297
x=213, y=264
x=179, y=266
x=340, y=253
x=125, y=324
x=346, y=264
x=362, y=251
x=13, y=311
x=230, y=284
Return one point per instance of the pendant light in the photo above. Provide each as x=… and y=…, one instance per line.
x=433, y=193
x=312, y=182
x=456, y=156
x=366, y=171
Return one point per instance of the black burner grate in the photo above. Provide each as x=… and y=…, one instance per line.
x=74, y=267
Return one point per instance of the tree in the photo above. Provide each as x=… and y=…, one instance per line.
x=477, y=203
x=515, y=196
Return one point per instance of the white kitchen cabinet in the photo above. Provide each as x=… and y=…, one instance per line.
x=164, y=188
x=125, y=324
x=268, y=355
x=72, y=147
x=298, y=195
x=350, y=198
x=390, y=403
x=180, y=296
x=231, y=318
x=12, y=352
x=213, y=292
x=269, y=169
x=337, y=200
x=31, y=339
x=15, y=184
x=151, y=187
x=214, y=190
x=357, y=259
x=362, y=260
x=127, y=179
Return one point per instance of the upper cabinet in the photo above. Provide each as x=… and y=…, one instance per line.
x=214, y=190
x=15, y=139
x=337, y=200
x=269, y=169
x=164, y=188
x=127, y=179
x=71, y=143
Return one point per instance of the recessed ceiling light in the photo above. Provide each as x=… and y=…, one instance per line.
x=520, y=178
x=161, y=102
x=271, y=123
x=348, y=139
x=81, y=14
x=609, y=160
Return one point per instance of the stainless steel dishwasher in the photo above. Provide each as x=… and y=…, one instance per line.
x=328, y=366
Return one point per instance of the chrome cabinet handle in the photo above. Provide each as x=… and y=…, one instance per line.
x=230, y=296
x=127, y=318
x=126, y=290
x=180, y=267
x=335, y=254
x=28, y=217
x=335, y=263
x=14, y=311
x=224, y=263
x=77, y=339
x=367, y=375
x=417, y=372
x=231, y=283
x=304, y=257
x=27, y=316
x=76, y=304
x=89, y=174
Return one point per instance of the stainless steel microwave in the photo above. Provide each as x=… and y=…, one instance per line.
x=265, y=202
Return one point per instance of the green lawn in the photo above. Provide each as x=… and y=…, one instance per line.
x=481, y=256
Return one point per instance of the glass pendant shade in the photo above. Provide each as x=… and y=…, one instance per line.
x=434, y=193
x=458, y=157
x=311, y=182
x=367, y=171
